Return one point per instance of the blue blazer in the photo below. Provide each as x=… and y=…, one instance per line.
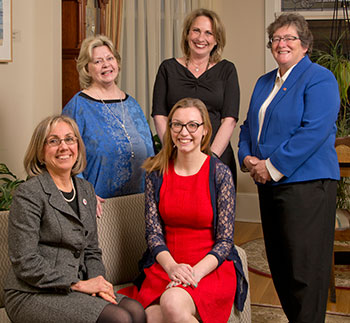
x=299, y=129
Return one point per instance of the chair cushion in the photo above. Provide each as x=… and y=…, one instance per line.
x=342, y=221
x=121, y=231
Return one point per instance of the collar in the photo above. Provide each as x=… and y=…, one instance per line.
x=286, y=74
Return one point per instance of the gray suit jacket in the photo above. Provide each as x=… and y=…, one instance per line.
x=50, y=247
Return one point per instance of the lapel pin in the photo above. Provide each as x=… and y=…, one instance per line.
x=284, y=89
x=84, y=201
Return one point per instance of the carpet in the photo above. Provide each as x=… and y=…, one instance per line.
x=257, y=263
x=274, y=314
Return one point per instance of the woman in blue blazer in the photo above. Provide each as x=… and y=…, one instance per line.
x=57, y=274
x=287, y=145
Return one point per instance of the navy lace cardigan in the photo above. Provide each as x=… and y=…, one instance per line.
x=223, y=199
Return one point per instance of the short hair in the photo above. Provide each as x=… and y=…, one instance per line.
x=160, y=162
x=218, y=31
x=34, y=157
x=85, y=56
x=300, y=24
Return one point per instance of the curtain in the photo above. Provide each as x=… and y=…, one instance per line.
x=150, y=32
x=114, y=10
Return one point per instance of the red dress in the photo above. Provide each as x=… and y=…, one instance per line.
x=186, y=210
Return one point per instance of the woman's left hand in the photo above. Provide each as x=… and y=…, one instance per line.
x=107, y=297
x=182, y=273
x=175, y=283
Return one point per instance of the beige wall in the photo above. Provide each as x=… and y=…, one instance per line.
x=245, y=31
x=30, y=86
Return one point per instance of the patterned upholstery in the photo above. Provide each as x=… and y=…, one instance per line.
x=245, y=315
x=122, y=240
x=121, y=233
x=4, y=262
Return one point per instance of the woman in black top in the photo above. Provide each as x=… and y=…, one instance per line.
x=201, y=73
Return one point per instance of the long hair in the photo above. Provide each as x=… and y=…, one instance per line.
x=34, y=156
x=160, y=162
x=218, y=31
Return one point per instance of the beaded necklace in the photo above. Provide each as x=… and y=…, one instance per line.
x=121, y=123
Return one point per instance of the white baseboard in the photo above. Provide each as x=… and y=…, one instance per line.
x=247, y=208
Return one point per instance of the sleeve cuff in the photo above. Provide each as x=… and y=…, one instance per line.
x=159, y=249
x=275, y=174
x=213, y=253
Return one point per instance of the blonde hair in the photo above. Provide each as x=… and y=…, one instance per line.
x=168, y=152
x=218, y=32
x=34, y=156
x=85, y=56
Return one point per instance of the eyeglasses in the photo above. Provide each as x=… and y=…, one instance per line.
x=190, y=126
x=287, y=39
x=55, y=141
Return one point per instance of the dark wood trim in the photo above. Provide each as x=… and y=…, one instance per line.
x=82, y=21
x=102, y=6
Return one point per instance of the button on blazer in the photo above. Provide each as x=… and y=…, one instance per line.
x=50, y=246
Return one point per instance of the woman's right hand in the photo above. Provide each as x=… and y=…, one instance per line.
x=182, y=274
x=250, y=162
x=96, y=286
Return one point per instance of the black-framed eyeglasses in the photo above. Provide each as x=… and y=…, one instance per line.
x=190, y=126
x=55, y=141
x=287, y=39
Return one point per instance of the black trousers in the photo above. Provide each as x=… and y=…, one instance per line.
x=298, y=224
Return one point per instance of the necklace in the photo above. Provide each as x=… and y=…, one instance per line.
x=196, y=68
x=121, y=123
x=73, y=197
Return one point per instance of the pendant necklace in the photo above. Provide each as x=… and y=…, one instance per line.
x=121, y=123
x=73, y=197
x=196, y=68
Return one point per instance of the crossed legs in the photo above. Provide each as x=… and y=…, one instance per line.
x=127, y=311
x=175, y=305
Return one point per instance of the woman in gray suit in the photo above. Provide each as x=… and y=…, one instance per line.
x=57, y=274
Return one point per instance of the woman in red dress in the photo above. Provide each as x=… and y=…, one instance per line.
x=189, y=268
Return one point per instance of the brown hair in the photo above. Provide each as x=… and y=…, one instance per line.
x=300, y=24
x=33, y=159
x=218, y=31
x=85, y=56
x=160, y=162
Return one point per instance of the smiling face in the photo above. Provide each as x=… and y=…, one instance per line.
x=201, y=39
x=288, y=53
x=185, y=141
x=103, y=67
x=60, y=159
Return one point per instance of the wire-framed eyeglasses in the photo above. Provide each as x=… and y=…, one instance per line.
x=190, y=126
x=287, y=39
x=55, y=141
